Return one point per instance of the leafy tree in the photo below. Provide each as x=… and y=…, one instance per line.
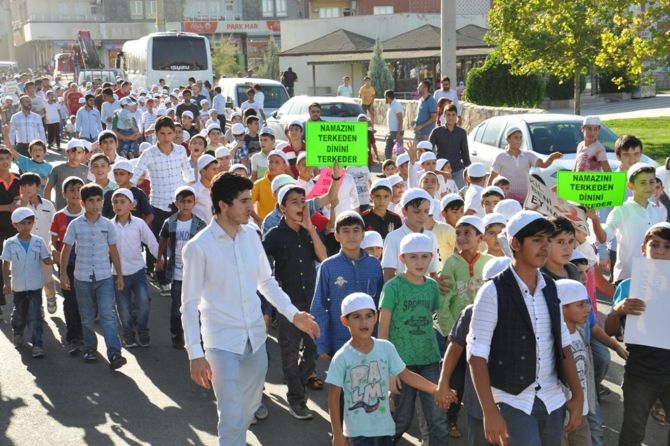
x=226, y=58
x=567, y=38
x=380, y=74
x=269, y=68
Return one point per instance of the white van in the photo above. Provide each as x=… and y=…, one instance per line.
x=234, y=89
x=7, y=65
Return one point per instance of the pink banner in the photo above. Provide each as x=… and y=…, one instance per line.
x=323, y=183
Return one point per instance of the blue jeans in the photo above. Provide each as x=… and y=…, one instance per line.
x=237, y=381
x=129, y=149
x=538, y=429
x=28, y=311
x=371, y=441
x=98, y=295
x=435, y=417
x=639, y=394
x=135, y=291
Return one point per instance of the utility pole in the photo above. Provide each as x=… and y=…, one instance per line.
x=448, y=41
x=160, y=15
x=10, y=30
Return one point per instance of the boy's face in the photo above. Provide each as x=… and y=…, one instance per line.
x=350, y=237
x=375, y=251
x=224, y=163
x=577, y=312
x=489, y=202
x=76, y=155
x=72, y=194
x=37, y=153
x=186, y=122
x=643, y=185
x=93, y=205
x=210, y=171
x=100, y=169
x=491, y=236
x=583, y=269
x=429, y=166
x=430, y=184
x=561, y=247
x=629, y=157
x=253, y=126
x=398, y=190
x=122, y=176
x=108, y=146
x=122, y=205
x=25, y=226
x=295, y=132
x=534, y=250
x=403, y=170
x=380, y=198
x=215, y=136
x=417, y=263
x=5, y=162
x=453, y=214
x=467, y=238
x=360, y=323
x=276, y=165
x=293, y=207
x=590, y=133
x=165, y=135
x=514, y=140
x=416, y=216
x=197, y=147
x=185, y=204
x=656, y=248
x=266, y=143
x=390, y=169
x=28, y=190
x=304, y=172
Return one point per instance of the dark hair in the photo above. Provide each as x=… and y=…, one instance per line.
x=642, y=170
x=446, y=78
x=455, y=204
x=108, y=91
x=539, y=226
x=164, y=121
x=297, y=189
x=37, y=142
x=251, y=91
x=488, y=193
x=107, y=135
x=425, y=84
x=416, y=203
x=500, y=180
x=451, y=108
x=248, y=112
x=659, y=231
x=388, y=162
x=29, y=84
x=125, y=83
x=187, y=91
x=348, y=221
x=579, y=261
x=100, y=156
x=227, y=187
x=217, y=89
x=626, y=142
x=91, y=190
x=30, y=178
x=183, y=194
x=72, y=180
x=561, y=224
x=314, y=104
x=389, y=93
x=5, y=151
x=250, y=119
x=200, y=137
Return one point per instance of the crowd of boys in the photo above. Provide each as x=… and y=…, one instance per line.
x=436, y=295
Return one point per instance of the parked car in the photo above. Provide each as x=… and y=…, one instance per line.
x=234, y=89
x=543, y=133
x=332, y=109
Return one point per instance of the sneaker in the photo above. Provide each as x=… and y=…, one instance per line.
x=51, y=305
x=117, y=361
x=73, y=347
x=144, y=340
x=178, y=342
x=453, y=431
x=129, y=341
x=18, y=340
x=90, y=356
x=38, y=352
x=262, y=412
x=165, y=289
x=300, y=412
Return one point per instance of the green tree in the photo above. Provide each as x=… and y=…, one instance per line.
x=226, y=59
x=380, y=74
x=269, y=68
x=567, y=38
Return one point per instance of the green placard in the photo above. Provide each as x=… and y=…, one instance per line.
x=328, y=141
x=595, y=190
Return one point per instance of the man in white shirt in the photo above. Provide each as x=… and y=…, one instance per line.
x=394, y=121
x=447, y=92
x=232, y=356
x=25, y=126
x=518, y=346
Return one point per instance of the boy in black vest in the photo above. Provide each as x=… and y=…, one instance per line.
x=519, y=347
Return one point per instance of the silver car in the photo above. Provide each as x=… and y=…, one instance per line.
x=297, y=108
x=543, y=133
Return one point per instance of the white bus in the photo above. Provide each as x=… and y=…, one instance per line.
x=173, y=56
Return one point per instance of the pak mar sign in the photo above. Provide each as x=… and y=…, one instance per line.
x=595, y=190
x=330, y=141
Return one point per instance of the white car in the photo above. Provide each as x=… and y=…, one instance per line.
x=234, y=89
x=543, y=133
x=332, y=109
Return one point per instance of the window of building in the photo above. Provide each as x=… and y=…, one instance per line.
x=150, y=8
x=328, y=13
x=268, y=7
x=380, y=10
x=136, y=9
x=282, y=10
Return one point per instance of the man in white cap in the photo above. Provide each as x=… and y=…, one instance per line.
x=519, y=347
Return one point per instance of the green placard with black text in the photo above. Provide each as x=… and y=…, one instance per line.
x=330, y=141
x=595, y=190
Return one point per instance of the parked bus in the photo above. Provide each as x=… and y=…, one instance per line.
x=173, y=56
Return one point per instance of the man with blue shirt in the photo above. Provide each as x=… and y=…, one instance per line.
x=425, y=118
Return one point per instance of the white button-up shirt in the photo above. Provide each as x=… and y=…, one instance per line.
x=203, y=202
x=44, y=212
x=25, y=128
x=26, y=265
x=130, y=237
x=482, y=326
x=168, y=171
x=219, y=300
